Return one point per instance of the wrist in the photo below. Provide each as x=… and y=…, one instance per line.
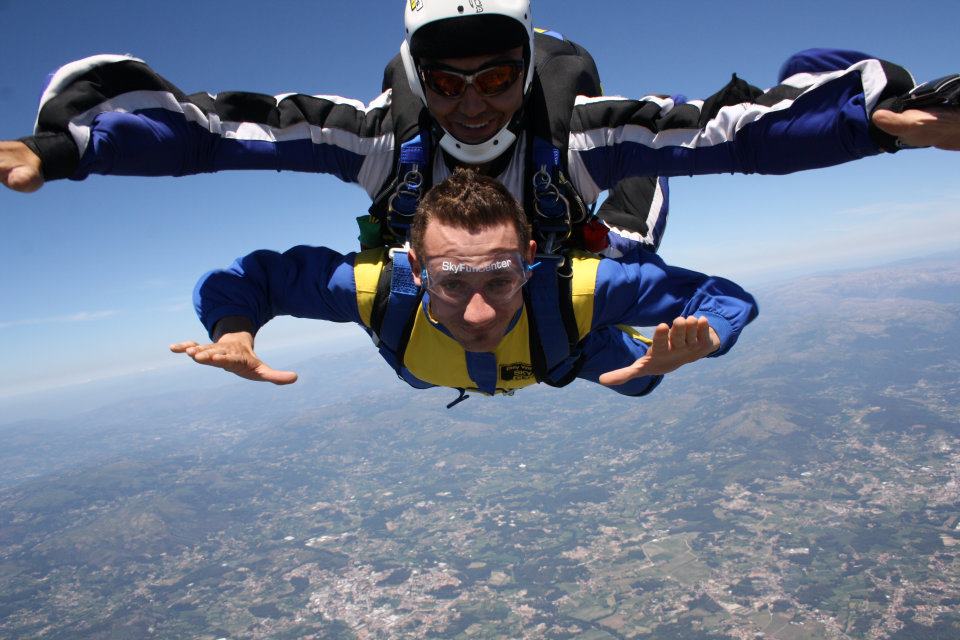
x=57, y=153
x=233, y=329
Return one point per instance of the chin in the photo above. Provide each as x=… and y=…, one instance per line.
x=480, y=345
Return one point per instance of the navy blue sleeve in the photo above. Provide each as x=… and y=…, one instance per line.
x=306, y=282
x=647, y=292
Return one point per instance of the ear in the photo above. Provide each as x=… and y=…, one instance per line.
x=531, y=252
x=415, y=267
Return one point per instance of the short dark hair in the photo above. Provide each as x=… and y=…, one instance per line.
x=468, y=200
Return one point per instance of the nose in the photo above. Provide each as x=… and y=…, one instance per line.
x=471, y=103
x=478, y=311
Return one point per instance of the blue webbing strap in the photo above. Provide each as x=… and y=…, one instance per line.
x=400, y=311
x=552, y=219
x=544, y=309
x=410, y=181
x=402, y=307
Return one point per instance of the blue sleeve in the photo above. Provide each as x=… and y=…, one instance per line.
x=610, y=348
x=819, y=61
x=306, y=282
x=647, y=292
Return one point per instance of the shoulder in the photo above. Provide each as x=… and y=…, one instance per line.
x=584, y=266
x=368, y=266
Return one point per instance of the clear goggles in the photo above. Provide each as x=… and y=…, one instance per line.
x=457, y=280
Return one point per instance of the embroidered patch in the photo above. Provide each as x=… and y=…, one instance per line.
x=516, y=371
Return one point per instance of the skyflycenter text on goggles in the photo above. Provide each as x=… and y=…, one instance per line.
x=456, y=281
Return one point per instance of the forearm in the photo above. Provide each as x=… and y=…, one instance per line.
x=306, y=282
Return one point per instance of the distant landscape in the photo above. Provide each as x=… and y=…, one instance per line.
x=805, y=487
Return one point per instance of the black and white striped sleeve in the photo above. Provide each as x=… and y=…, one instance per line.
x=112, y=114
x=819, y=115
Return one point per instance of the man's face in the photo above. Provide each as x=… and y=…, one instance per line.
x=473, y=117
x=478, y=321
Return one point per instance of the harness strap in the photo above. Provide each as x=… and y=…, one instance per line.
x=554, y=336
x=551, y=209
x=409, y=187
x=391, y=213
x=381, y=299
x=395, y=308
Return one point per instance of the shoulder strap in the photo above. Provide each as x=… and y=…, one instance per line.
x=411, y=125
x=564, y=70
x=554, y=336
x=395, y=308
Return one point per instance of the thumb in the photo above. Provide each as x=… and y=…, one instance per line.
x=24, y=178
x=267, y=374
x=889, y=121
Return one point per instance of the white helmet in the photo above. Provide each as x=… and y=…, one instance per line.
x=420, y=13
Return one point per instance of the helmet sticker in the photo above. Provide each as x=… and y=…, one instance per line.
x=416, y=5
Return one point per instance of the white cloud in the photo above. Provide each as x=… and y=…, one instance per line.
x=80, y=316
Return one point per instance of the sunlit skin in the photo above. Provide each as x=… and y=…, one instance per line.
x=472, y=117
x=478, y=325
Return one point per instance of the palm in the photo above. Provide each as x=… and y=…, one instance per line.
x=688, y=340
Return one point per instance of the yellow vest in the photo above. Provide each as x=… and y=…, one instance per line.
x=434, y=357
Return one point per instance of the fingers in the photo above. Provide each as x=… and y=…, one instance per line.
x=181, y=347
x=703, y=331
x=236, y=358
x=661, y=337
x=690, y=334
x=678, y=333
x=692, y=325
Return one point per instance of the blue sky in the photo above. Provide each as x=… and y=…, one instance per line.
x=97, y=276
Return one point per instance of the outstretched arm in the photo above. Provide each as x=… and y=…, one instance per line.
x=19, y=167
x=112, y=114
x=233, y=351
x=830, y=107
x=686, y=341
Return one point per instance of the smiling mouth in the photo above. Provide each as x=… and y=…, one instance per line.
x=475, y=132
x=480, y=125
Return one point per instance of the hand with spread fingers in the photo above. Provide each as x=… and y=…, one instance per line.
x=688, y=340
x=233, y=352
x=19, y=167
